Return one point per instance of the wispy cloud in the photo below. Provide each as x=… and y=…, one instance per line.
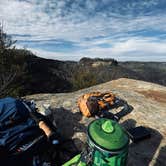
x=132, y=49
x=106, y=28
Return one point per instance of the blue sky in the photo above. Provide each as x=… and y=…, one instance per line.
x=127, y=30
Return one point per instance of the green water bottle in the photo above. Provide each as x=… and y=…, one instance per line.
x=109, y=143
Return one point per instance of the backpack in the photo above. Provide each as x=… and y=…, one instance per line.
x=18, y=131
x=92, y=103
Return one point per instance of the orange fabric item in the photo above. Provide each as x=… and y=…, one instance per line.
x=45, y=128
x=90, y=103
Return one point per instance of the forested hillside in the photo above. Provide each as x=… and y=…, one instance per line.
x=23, y=73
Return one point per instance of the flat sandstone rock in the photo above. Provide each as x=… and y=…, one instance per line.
x=149, y=109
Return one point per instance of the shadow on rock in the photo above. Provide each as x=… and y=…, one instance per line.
x=161, y=159
x=67, y=124
x=142, y=153
x=129, y=123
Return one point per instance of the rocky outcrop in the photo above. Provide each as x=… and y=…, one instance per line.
x=149, y=109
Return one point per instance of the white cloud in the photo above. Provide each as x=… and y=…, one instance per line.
x=28, y=17
x=130, y=50
x=103, y=22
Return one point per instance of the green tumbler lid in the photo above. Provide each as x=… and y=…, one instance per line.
x=107, y=126
x=107, y=134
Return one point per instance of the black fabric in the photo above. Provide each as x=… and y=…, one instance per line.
x=92, y=105
x=139, y=133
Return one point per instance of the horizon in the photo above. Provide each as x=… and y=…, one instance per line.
x=70, y=30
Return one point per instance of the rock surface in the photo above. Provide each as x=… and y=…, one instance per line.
x=149, y=109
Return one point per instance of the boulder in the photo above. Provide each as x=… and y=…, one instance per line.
x=148, y=102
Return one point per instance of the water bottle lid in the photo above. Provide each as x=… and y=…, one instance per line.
x=107, y=126
x=107, y=134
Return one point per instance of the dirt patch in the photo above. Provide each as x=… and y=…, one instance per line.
x=155, y=95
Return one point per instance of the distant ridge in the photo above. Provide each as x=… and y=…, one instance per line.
x=39, y=75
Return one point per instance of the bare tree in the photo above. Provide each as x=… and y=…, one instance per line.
x=8, y=71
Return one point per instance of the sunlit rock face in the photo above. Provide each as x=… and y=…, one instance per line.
x=148, y=101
